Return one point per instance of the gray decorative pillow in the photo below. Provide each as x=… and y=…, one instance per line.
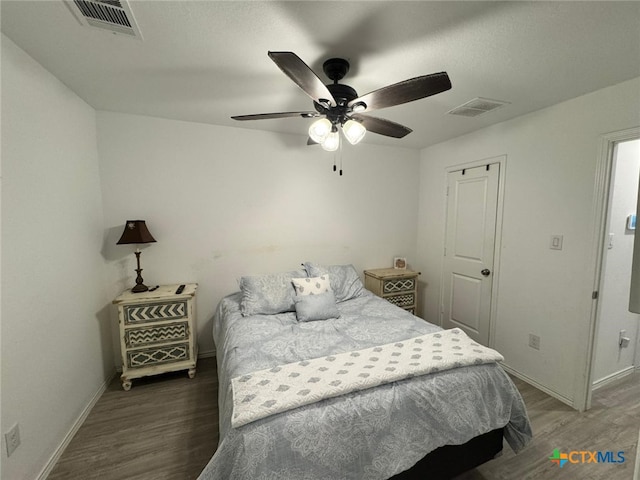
x=311, y=285
x=268, y=294
x=344, y=279
x=321, y=306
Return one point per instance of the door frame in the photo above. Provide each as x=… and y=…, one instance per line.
x=602, y=192
x=497, y=246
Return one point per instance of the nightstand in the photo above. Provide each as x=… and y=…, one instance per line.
x=157, y=332
x=398, y=286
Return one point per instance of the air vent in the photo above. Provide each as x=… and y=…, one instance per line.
x=477, y=106
x=112, y=15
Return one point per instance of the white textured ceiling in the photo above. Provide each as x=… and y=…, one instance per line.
x=205, y=61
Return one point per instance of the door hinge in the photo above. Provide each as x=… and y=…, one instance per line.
x=594, y=295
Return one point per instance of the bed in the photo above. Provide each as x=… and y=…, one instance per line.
x=438, y=423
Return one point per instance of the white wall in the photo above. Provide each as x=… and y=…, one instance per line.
x=613, y=313
x=56, y=345
x=225, y=202
x=549, y=189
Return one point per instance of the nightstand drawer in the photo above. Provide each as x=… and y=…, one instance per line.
x=152, y=312
x=173, y=332
x=403, y=300
x=398, y=285
x=156, y=356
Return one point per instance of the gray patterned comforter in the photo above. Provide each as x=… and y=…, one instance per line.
x=371, y=434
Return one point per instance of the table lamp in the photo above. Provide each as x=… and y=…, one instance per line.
x=136, y=231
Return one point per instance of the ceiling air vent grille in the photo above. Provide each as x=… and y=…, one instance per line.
x=112, y=15
x=477, y=106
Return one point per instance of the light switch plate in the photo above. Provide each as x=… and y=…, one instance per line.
x=556, y=242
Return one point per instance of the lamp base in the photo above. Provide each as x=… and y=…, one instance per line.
x=139, y=288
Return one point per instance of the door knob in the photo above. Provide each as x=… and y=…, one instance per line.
x=486, y=272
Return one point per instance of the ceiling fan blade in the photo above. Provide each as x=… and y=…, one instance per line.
x=406, y=91
x=303, y=76
x=382, y=126
x=311, y=141
x=267, y=116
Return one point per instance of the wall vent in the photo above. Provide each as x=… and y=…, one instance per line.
x=477, y=106
x=112, y=15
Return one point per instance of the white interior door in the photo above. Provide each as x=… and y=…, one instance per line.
x=472, y=201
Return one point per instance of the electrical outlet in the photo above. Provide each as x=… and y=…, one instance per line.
x=534, y=341
x=12, y=439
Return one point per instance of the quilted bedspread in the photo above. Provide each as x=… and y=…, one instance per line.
x=369, y=434
x=275, y=390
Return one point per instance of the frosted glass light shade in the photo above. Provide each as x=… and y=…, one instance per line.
x=332, y=142
x=353, y=131
x=320, y=130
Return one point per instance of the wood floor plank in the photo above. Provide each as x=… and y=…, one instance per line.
x=166, y=428
x=611, y=424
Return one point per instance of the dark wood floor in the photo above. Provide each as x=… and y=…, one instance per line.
x=166, y=427
x=612, y=424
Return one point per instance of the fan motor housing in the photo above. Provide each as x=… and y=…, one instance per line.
x=336, y=69
x=342, y=94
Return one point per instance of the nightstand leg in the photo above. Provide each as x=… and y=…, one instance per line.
x=192, y=372
x=126, y=384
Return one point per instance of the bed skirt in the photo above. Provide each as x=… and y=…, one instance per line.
x=451, y=460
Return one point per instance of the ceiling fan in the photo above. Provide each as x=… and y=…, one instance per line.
x=339, y=106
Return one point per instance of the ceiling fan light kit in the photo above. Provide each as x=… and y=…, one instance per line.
x=325, y=133
x=339, y=105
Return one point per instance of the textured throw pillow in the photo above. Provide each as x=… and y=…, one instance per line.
x=316, y=307
x=311, y=285
x=344, y=279
x=268, y=294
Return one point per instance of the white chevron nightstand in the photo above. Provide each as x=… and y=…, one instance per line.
x=157, y=332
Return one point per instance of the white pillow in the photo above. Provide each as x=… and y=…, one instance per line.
x=311, y=286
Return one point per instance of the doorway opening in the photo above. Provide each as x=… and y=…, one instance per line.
x=617, y=328
x=615, y=332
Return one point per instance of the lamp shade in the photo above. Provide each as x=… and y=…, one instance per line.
x=353, y=131
x=320, y=130
x=332, y=142
x=136, y=231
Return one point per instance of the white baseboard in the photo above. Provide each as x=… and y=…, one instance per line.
x=539, y=386
x=613, y=377
x=44, y=473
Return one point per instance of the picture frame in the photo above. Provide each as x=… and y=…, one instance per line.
x=400, y=263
